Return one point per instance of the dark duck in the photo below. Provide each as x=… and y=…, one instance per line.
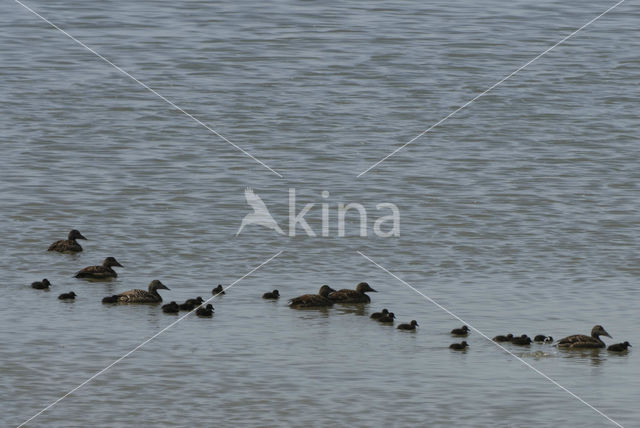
x=353, y=296
x=388, y=318
x=462, y=346
x=523, y=340
x=218, y=290
x=41, y=285
x=189, y=304
x=378, y=315
x=411, y=326
x=69, y=245
x=139, y=296
x=171, y=308
x=541, y=338
x=581, y=341
x=502, y=338
x=619, y=347
x=272, y=295
x=205, y=312
x=100, y=272
x=67, y=296
x=462, y=331
x=313, y=300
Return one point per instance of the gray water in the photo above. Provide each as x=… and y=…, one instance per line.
x=519, y=214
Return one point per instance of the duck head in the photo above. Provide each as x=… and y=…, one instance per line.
x=275, y=293
x=464, y=343
x=72, y=294
x=385, y=311
x=46, y=282
x=414, y=323
x=598, y=331
x=325, y=290
x=392, y=315
x=465, y=328
x=363, y=287
x=110, y=262
x=157, y=285
x=75, y=234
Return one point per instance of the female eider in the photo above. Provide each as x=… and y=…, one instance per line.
x=171, y=308
x=41, y=285
x=388, y=318
x=352, y=296
x=67, y=296
x=411, y=326
x=273, y=295
x=69, y=245
x=581, y=341
x=206, y=312
x=501, y=338
x=619, y=347
x=313, y=300
x=459, y=346
x=218, y=290
x=378, y=315
x=140, y=296
x=100, y=272
x=463, y=331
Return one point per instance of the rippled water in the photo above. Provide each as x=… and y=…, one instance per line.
x=519, y=214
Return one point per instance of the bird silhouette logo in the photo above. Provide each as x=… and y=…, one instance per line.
x=260, y=214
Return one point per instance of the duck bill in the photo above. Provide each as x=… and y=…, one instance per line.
x=604, y=333
x=81, y=237
x=117, y=264
x=163, y=287
x=372, y=290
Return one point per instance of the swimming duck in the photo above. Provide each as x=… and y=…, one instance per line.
x=388, y=318
x=501, y=338
x=100, y=272
x=352, y=296
x=578, y=341
x=463, y=331
x=205, y=312
x=619, y=347
x=378, y=315
x=313, y=300
x=189, y=304
x=462, y=346
x=218, y=290
x=274, y=295
x=171, y=308
x=69, y=245
x=523, y=340
x=110, y=299
x=541, y=338
x=67, y=296
x=141, y=296
x=411, y=326
x=41, y=285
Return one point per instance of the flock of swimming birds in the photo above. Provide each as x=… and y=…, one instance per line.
x=326, y=297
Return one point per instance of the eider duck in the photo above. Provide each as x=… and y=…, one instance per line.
x=189, y=304
x=463, y=331
x=619, y=347
x=501, y=338
x=206, y=312
x=69, y=245
x=273, y=295
x=378, y=315
x=41, y=285
x=218, y=290
x=313, y=300
x=100, y=272
x=388, y=318
x=411, y=326
x=171, y=308
x=141, y=296
x=459, y=346
x=581, y=341
x=67, y=296
x=541, y=338
x=523, y=340
x=352, y=296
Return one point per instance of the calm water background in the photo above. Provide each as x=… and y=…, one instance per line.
x=520, y=214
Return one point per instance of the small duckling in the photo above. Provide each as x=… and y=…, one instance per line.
x=171, y=308
x=387, y=319
x=541, y=338
x=41, y=285
x=501, y=338
x=411, y=326
x=218, y=290
x=274, y=295
x=206, y=312
x=67, y=296
x=523, y=340
x=619, y=347
x=378, y=315
x=464, y=331
x=191, y=303
x=459, y=346
x=111, y=299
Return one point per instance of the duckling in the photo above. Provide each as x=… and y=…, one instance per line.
x=523, y=340
x=218, y=290
x=378, y=315
x=69, y=245
x=189, y=304
x=140, y=296
x=411, y=326
x=463, y=331
x=352, y=296
x=274, y=295
x=67, y=296
x=170, y=308
x=313, y=300
x=619, y=347
x=41, y=285
x=388, y=318
x=100, y=272
x=581, y=341
x=462, y=346
x=541, y=338
x=501, y=338
x=110, y=299
x=206, y=312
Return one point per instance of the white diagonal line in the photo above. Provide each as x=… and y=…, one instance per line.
x=487, y=337
x=146, y=341
x=153, y=91
x=495, y=85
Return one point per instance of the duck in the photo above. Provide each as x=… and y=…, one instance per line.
x=501, y=338
x=462, y=346
x=541, y=338
x=100, y=272
x=67, y=296
x=41, y=285
x=463, y=331
x=619, y=347
x=378, y=315
x=352, y=296
x=218, y=290
x=410, y=326
x=313, y=300
x=206, y=312
x=523, y=340
x=69, y=245
x=273, y=295
x=140, y=296
x=189, y=304
x=171, y=308
x=581, y=341
x=388, y=318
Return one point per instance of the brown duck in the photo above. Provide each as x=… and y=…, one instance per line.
x=141, y=296
x=206, y=312
x=67, y=296
x=272, y=295
x=463, y=331
x=313, y=300
x=69, y=245
x=619, y=347
x=378, y=315
x=462, y=346
x=352, y=296
x=502, y=338
x=41, y=285
x=218, y=290
x=388, y=318
x=581, y=341
x=100, y=272
x=410, y=326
